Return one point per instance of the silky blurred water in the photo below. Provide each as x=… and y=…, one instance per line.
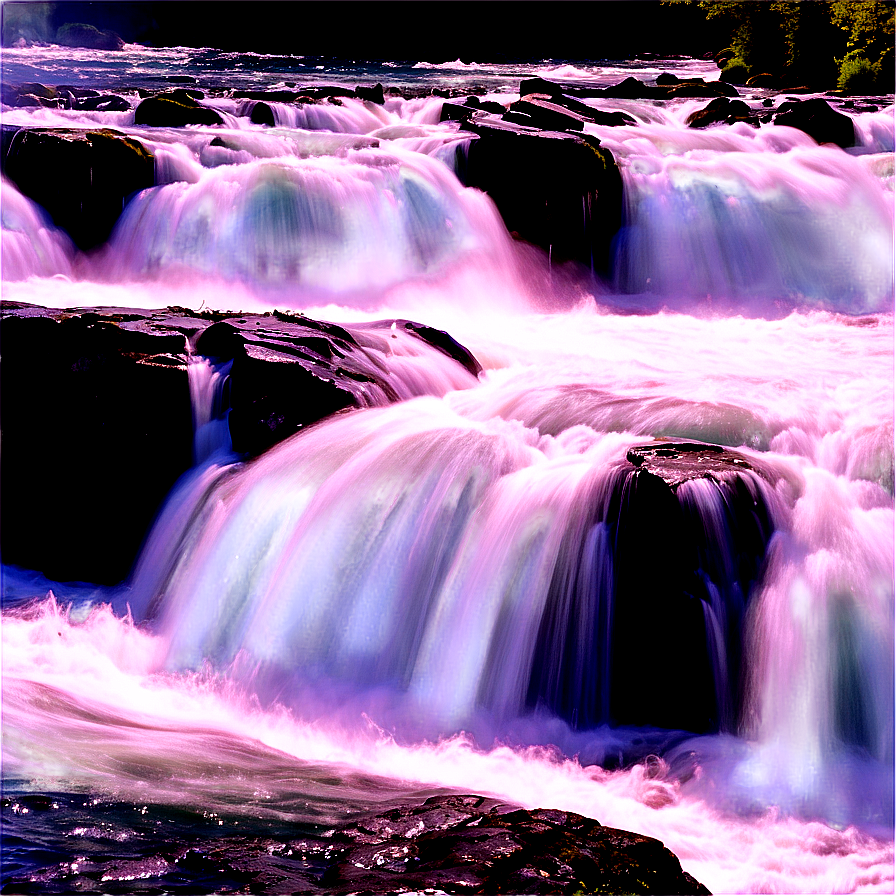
x=350, y=620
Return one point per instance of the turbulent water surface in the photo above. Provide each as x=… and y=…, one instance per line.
x=354, y=619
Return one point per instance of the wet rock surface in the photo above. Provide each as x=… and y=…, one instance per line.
x=88, y=396
x=175, y=109
x=83, y=178
x=449, y=843
x=819, y=120
x=687, y=527
x=559, y=190
x=694, y=525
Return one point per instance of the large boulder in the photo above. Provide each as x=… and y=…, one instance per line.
x=175, y=109
x=706, y=546
x=82, y=178
x=77, y=34
x=96, y=429
x=97, y=423
x=687, y=526
x=463, y=844
x=721, y=110
x=819, y=120
x=558, y=190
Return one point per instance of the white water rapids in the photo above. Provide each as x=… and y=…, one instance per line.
x=760, y=266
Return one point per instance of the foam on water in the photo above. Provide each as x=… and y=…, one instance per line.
x=194, y=741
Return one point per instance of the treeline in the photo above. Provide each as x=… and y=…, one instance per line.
x=821, y=44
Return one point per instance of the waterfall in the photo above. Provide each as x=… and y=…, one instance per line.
x=329, y=226
x=32, y=247
x=639, y=567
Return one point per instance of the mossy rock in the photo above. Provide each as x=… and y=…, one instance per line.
x=174, y=111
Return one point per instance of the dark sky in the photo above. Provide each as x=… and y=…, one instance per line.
x=435, y=30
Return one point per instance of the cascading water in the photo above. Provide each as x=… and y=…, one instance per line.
x=477, y=587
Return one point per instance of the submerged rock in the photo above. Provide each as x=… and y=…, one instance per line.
x=82, y=178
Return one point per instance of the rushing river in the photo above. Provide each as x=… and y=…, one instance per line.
x=354, y=618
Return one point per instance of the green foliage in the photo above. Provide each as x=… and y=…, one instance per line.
x=808, y=42
x=858, y=75
x=735, y=72
x=31, y=21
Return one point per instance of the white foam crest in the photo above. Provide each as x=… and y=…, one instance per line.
x=191, y=733
x=341, y=115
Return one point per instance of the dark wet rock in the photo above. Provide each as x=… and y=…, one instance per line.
x=371, y=94
x=82, y=178
x=108, y=103
x=332, y=368
x=78, y=92
x=262, y=113
x=461, y=844
x=700, y=88
x=174, y=110
x=544, y=115
x=34, y=89
x=89, y=397
x=76, y=34
x=96, y=428
x=583, y=110
x=456, y=112
x=722, y=111
x=763, y=79
x=270, y=96
x=558, y=190
x=678, y=462
x=632, y=88
x=688, y=526
x=819, y=120
x=662, y=668
x=451, y=843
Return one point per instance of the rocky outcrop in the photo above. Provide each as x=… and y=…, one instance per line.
x=722, y=111
x=96, y=428
x=315, y=93
x=559, y=190
x=62, y=97
x=452, y=843
x=174, y=109
x=821, y=122
x=329, y=367
x=665, y=88
x=82, y=178
x=707, y=549
x=77, y=34
x=97, y=422
x=687, y=525
x=462, y=844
